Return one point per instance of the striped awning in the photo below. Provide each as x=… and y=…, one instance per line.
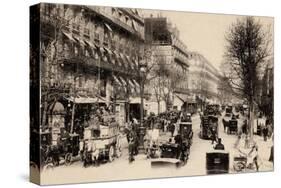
x=69, y=36
x=117, y=80
x=136, y=83
x=108, y=27
x=130, y=62
x=78, y=39
x=131, y=83
x=86, y=100
x=121, y=58
x=108, y=50
x=90, y=44
x=123, y=80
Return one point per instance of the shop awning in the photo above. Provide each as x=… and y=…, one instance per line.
x=79, y=40
x=90, y=44
x=101, y=49
x=108, y=50
x=86, y=100
x=137, y=84
x=135, y=100
x=131, y=83
x=134, y=25
x=117, y=80
x=108, y=27
x=69, y=36
x=123, y=81
x=132, y=86
x=181, y=97
x=130, y=62
x=136, y=63
x=122, y=58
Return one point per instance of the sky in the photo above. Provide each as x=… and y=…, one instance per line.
x=204, y=33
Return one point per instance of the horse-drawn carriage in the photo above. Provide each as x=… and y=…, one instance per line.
x=217, y=162
x=103, y=143
x=39, y=148
x=65, y=149
x=177, y=151
x=232, y=126
x=208, y=126
x=260, y=125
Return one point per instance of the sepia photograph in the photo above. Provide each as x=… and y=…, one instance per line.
x=126, y=93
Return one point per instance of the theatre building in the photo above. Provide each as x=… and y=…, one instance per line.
x=90, y=57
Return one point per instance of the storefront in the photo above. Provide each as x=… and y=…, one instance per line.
x=56, y=120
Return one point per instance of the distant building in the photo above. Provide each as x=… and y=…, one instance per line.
x=170, y=52
x=204, y=78
x=267, y=89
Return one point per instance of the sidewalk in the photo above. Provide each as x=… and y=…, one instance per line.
x=263, y=147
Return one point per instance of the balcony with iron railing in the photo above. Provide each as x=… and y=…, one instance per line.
x=106, y=41
x=97, y=38
x=180, y=57
x=115, y=20
x=87, y=33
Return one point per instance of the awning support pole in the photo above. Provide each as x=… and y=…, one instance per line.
x=72, y=118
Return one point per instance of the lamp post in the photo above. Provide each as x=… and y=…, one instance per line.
x=142, y=69
x=74, y=103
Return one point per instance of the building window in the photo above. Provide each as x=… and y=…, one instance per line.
x=66, y=50
x=87, y=30
x=97, y=37
x=113, y=45
x=87, y=54
x=127, y=19
x=76, y=51
x=80, y=81
x=113, y=11
x=106, y=38
x=120, y=14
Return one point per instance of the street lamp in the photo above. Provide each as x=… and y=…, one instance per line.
x=142, y=70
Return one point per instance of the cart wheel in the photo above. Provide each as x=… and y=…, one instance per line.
x=48, y=167
x=238, y=167
x=68, y=159
x=118, y=151
x=111, y=154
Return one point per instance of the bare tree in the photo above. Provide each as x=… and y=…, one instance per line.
x=50, y=52
x=248, y=47
x=157, y=79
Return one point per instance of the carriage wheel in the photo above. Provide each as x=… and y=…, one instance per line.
x=68, y=159
x=238, y=167
x=118, y=151
x=48, y=166
x=201, y=134
x=34, y=165
x=55, y=162
x=111, y=154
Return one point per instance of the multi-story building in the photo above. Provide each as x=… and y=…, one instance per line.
x=90, y=55
x=267, y=89
x=168, y=51
x=204, y=78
